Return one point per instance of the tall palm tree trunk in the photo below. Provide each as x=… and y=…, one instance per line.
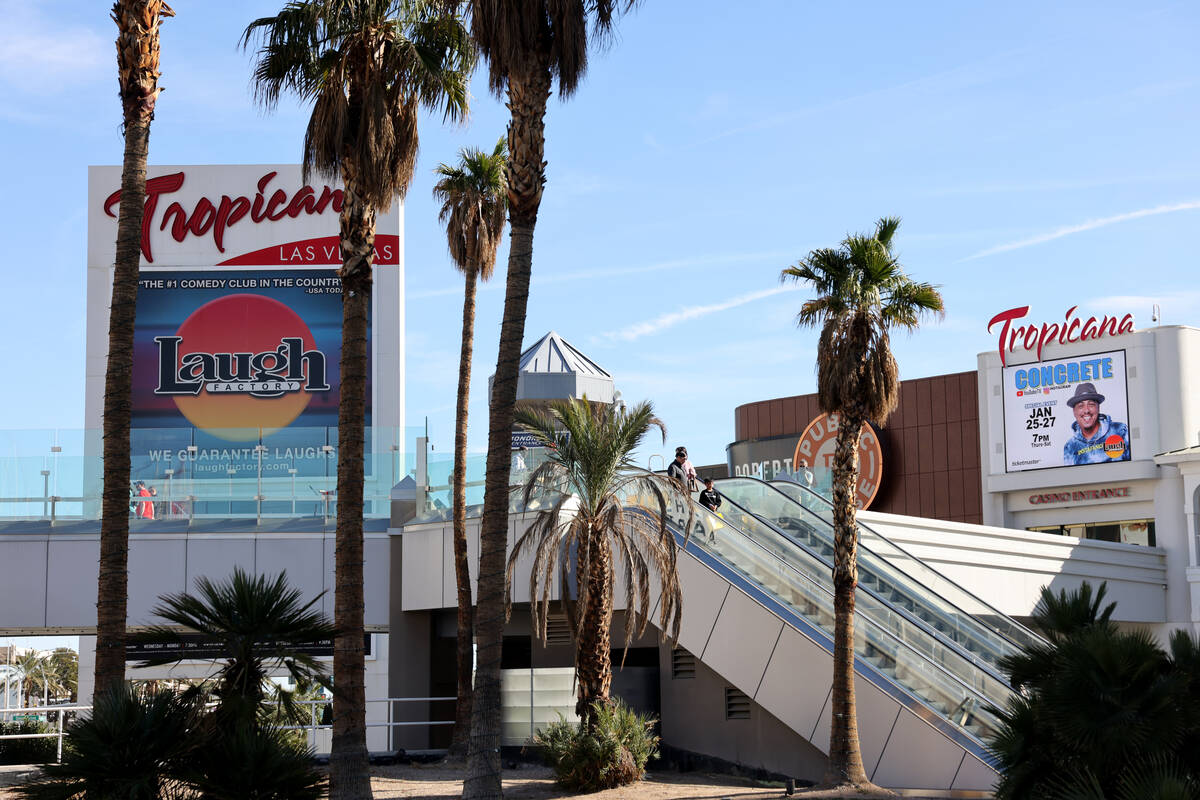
x=845, y=755
x=349, y=776
x=527, y=96
x=113, y=580
x=593, y=655
x=462, y=573
x=137, y=73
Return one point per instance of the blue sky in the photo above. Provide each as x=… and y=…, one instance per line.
x=1040, y=154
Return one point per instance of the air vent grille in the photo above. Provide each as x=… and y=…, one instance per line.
x=737, y=704
x=558, y=632
x=683, y=664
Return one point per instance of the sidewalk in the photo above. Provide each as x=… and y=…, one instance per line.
x=16, y=774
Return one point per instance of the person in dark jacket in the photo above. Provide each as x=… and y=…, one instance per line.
x=710, y=498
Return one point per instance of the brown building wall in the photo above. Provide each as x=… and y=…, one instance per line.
x=931, y=445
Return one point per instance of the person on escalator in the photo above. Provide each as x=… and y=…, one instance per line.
x=682, y=470
x=710, y=498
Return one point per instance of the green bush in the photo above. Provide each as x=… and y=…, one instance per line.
x=613, y=752
x=26, y=751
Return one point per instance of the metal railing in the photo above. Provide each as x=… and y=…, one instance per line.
x=310, y=730
x=59, y=733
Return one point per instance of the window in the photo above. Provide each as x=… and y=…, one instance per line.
x=1133, y=531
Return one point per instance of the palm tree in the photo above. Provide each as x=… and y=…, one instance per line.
x=259, y=622
x=589, y=453
x=862, y=294
x=474, y=198
x=1100, y=712
x=528, y=43
x=137, y=73
x=368, y=66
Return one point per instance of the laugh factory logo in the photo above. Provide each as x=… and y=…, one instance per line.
x=239, y=365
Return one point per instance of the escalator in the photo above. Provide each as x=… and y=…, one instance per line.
x=926, y=648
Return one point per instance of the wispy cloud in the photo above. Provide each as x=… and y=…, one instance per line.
x=1175, y=306
x=33, y=44
x=682, y=264
x=661, y=323
x=1090, y=225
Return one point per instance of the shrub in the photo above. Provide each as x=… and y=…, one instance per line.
x=254, y=764
x=612, y=752
x=124, y=751
x=26, y=751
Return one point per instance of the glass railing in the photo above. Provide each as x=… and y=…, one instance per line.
x=899, y=574
x=883, y=590
x=185, y=473
x=947, y=681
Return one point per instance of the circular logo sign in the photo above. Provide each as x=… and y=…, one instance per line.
x=816, y=449
x=241, y=366
x=1114, y=447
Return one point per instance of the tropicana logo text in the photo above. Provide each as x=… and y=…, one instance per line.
x=213, y=219
x=1071, y=329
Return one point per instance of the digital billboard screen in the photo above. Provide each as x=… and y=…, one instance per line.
x=226, y=361
x=1067, y=412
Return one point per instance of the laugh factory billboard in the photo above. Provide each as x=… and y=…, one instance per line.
x=1068, y=412
x=237, y=338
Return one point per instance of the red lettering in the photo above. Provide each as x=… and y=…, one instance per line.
x=202, y=218
x=228, y=212
x=279, y=198
x=1031, y=337
x=1126, y=324
x=155, y=187
x=303, y=201
x=1072, y=333
x=179, y=225
x=215, y=219
x=1110, y=324
x=1048, y=333
x=1006, y=317
x=1089, y=330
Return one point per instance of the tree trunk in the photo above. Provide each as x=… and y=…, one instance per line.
x=527, y=96
x=113, y=580
x=462, y=573
x=137, y=74
x=593, y=652
x=349, y=776
x=845, y=754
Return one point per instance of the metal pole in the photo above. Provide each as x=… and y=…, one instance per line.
x=60, y=735
x=258, y=494
x=170, y=473
x=45, y=493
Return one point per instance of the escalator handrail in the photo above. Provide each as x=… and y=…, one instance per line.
x=1034, y=637
x=913, y=620
x=903, y=694
x=879, y=630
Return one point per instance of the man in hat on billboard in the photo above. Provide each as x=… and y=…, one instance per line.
x=1096, y=438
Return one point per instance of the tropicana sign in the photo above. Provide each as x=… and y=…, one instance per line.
x=1071, y=329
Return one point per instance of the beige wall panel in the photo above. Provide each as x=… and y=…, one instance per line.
x=703, y=593
x=876, y=714
x=974, y=774
x=156, y=567
x=742, y=640
x=917, y=756
x=74, y=565
x=796, y=684
x=376, y=577
x=23, y=590
x=421, y=583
